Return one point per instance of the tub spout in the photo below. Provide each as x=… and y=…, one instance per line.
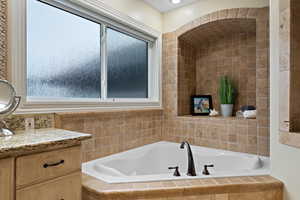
x=191, y=165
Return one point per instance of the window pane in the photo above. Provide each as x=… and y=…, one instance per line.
x=127, y=65
x=63, y=54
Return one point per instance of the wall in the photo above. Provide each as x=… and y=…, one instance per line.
x=176, y=18
x=216, y=49
x=285, y=160
x=113, y=131
x=138, y=10
x=251, y=136
x=233, y=56
x=186, y=76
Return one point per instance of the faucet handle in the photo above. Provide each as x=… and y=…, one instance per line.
x=205, y=170
x=176, y=172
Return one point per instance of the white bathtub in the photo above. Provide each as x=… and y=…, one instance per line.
x=151, y=162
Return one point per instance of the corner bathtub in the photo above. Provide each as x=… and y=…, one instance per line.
x=151, y=162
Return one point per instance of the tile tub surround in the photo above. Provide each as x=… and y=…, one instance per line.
x=113, y=131
x=232, y=134
x=239, y=188
x=251, y=136
x=33, y=141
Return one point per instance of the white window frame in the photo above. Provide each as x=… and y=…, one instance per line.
x=107, y=17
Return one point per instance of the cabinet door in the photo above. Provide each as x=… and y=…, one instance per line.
x=7, y=179
x=64, y=188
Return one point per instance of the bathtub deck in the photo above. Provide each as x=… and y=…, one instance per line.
x=235, y=188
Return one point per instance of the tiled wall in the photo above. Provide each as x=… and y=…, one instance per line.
x=214, y=50
x=233, y=55
x=239, y=135
x=113, y=131
x=230, y=134
x=186, y=76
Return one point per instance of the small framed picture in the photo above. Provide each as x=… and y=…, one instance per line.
x=201, y=104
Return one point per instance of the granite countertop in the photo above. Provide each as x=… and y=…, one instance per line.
x=24, y=142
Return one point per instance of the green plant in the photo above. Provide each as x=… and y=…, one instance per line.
x=226, y=91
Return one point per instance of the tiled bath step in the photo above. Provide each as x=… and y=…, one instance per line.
x=235, y=188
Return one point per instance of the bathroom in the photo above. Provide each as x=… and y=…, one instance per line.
x=82, y=118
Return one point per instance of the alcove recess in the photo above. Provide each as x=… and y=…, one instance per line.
x=289, y=94
x=207, y=52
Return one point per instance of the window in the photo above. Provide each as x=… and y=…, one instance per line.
x=63, y=54
x=127, y=65
x=75, y=56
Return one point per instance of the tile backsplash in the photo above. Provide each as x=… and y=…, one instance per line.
x=17, y=122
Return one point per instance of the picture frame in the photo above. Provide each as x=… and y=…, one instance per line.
x=201, y=105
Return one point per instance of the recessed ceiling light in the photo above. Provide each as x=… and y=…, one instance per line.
x=175, y=1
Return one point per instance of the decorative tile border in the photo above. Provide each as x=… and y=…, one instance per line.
x=3, y=39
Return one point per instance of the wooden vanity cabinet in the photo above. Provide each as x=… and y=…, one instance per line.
x=7, y=179
x=53, y=175
x=63, y=188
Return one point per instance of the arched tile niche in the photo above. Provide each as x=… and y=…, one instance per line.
x=233, y=42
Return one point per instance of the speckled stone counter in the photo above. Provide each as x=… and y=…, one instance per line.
x=25, y=142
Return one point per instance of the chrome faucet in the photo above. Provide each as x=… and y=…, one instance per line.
x=191, y=165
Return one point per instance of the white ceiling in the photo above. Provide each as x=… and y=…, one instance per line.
x=166, y=5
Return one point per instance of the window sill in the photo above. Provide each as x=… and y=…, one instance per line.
x=66, y=109
x=91, y=113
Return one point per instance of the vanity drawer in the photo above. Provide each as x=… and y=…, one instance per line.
x=64, y=188
x=44, y=166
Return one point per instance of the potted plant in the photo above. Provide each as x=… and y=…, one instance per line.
x=226, y=96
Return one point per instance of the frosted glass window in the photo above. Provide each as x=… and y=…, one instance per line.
x=127, y=66
x=63, y=54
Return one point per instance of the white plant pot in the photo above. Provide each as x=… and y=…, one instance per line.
x=226, y=110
